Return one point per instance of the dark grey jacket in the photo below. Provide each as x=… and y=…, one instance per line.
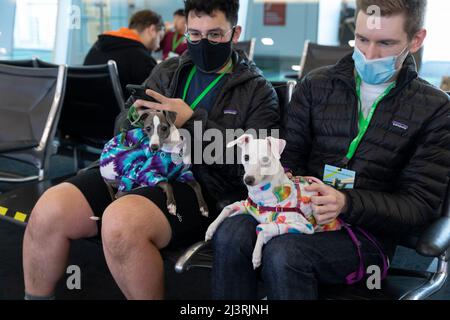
x=402, y=163
x=249, y=102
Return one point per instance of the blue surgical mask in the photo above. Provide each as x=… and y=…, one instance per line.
x=377, y=71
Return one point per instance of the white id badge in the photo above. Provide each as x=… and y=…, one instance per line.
x=339, y=178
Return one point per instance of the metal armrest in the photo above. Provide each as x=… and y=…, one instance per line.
x=435, y=241
x=433, y=285
x=197, y=255
x=10, y=146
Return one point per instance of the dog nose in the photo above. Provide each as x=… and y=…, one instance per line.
x=154, y=147
x=249, y=180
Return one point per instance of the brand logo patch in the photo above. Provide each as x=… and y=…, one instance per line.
x=400, y=125
x=230, y=111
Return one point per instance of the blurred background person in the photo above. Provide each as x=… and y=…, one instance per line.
x=174, y=42
x=130, y=47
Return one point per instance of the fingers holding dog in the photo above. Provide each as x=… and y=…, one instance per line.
x=325, y=218
x=328, y=204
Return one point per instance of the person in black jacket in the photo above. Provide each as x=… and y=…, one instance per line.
x=369, y=114
x=209, y=87
x=131, y=48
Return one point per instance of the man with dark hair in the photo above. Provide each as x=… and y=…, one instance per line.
x=174, y=43
x=131, y=48
x=379, y=137
x=211, y=87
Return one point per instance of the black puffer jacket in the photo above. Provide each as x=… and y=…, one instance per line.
x=134, y=61
x=403, y=161
x=250, y=97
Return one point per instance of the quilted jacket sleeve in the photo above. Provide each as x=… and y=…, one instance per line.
x=420, y=188
x=297, y=130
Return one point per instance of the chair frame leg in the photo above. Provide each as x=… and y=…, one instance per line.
x=436, y=282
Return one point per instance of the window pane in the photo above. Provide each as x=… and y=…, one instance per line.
x=35, y=24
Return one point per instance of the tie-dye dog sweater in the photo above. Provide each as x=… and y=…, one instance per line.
x=127, y=162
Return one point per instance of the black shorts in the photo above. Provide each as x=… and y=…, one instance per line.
x=190, y=229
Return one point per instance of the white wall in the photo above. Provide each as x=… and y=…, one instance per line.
x=301, y=25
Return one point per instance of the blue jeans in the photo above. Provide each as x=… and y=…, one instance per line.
x=293, y=265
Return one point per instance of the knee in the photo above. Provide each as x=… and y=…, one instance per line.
x=279, y=257
x=48, y=215
x=129, y=224
x=118, y=236
x=236, y=235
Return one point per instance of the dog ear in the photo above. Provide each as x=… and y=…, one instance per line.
x=170, y=116
x=139, y=114
x=244, y=139
x=143, y=113
x=276, y=146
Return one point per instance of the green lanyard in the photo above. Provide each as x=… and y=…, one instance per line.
x=208, y=88
x=364, y=122
x=175, y=42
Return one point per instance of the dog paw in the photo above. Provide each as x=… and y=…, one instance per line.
x=204, y=211
x=256, y=262
x=172, y=209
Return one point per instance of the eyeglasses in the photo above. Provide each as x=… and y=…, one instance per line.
x=214, y=37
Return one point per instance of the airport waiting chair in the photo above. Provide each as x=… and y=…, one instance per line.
x=29, y=63
x=30, y=106
x=93, y=99
x=248, y=47
x=284, y=92
x=316, y=56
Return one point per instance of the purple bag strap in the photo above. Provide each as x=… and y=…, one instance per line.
x=378, y=246
x=358, y=275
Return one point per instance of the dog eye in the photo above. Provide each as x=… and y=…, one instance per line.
x=246, y=158
x=164, y=128
x=148, y=129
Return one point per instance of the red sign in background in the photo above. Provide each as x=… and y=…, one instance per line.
x=275, y=14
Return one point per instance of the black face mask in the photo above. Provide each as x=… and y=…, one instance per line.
x=210, y=58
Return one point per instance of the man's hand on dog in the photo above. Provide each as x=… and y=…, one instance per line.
x=328, y=205
x=183, y=111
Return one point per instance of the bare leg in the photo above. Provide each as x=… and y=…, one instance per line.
x=133, y=231
x=201, y=201
x=61, y=214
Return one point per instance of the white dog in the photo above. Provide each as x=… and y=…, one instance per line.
x=279, y=204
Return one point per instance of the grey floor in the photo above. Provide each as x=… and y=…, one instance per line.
x=97, y=282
